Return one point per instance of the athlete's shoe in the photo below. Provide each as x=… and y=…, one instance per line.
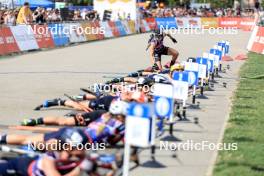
x=29, y=122
x=38, y=107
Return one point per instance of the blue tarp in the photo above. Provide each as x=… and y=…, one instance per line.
x=80, y=7
x=36, y=3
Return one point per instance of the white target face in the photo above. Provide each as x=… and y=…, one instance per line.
x=138, y=111
x=192, y=78
x=209, y=65
x=162, y=106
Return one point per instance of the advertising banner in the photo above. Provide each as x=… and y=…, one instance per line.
x=247, y=24
x=152, y=23
x=98, y=30
x=58, y=34
x=209, y=23
x=228, y=22
x=74, y=32
x=87, y=26
x=107, y=30
x=126, y=27
x=132, y=26
x=120, y=28
x=194, y=22
x=43, y=36
x=114, y=29
x=2, y=44
x=166, y=23
x=24, y=37
x=10, y=45
x=182, y=22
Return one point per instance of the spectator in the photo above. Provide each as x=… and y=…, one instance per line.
x=257, y=5
x=55, y=15
x=39, y=16
x=77, y=15
x=10, y=19
x=1, y=17
x=24, y=15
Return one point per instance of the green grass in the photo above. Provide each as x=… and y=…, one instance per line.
x=246, y=125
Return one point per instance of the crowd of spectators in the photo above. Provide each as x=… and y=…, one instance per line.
x=25, y=15
x=195, y=12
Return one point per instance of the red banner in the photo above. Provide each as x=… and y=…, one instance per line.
x=10, y=45
x=43, y=36
x=114, y=28
x=2, y=44
x=152, y=23
x=227, y=22
x=246, y=24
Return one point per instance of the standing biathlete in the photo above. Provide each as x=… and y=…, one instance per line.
x=157, y=49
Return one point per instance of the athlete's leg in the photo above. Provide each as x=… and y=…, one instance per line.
x=174, y=53
x=130, y=79
x=78, y=106
x=49, y=120
x=89, y=96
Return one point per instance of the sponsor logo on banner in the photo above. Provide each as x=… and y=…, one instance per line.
x=166, y=23
x=126, y=27
x=256, y=42
x=182, y=22
x=132, y=26
x=246, y=24
x=226, y=22
x=99, y=30
x=10, y=45
x=2, y=44
x=209, y=23
x=152, y=23
x=75, y=35
x=120, y=28
x=89, y=35
x=108, y=31
x=114, y=29
x=57, y=32
x=43, y=36
x=188, y=22
x=24, y=37
x=194, y=22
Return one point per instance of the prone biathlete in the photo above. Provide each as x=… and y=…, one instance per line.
x=89, y=102
x=148, y=78
x=108, y=129
x=55, y=163
x=79, y=119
